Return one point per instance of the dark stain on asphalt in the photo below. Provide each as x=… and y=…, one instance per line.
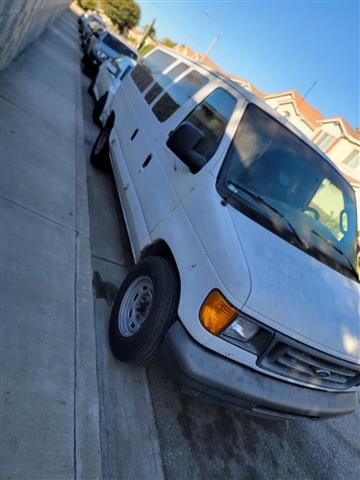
x=213, y=435
x=103, y=289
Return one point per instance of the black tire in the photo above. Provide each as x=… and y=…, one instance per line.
x=143, y=347
x=99, y=156
x=98, y=108
x=91, y=88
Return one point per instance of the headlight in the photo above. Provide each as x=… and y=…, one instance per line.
x=221, y=318
x=101, y=54
x=241, y=329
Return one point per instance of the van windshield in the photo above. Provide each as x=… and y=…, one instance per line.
x=118, y=46
x=278, y=180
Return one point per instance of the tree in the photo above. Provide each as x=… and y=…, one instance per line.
x=88, y=4
x=124, y=13
x=168, y=42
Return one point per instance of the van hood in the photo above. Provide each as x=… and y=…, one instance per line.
x=107, y=50
x=296, y=294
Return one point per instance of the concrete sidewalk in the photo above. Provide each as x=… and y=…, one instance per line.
x=49, y=418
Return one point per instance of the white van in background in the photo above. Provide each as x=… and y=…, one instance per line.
x=105, y=85
x=244, y=238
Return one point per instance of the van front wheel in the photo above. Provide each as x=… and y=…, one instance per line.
x=144, y=308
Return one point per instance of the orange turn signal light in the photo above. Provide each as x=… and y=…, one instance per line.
x=216, y=312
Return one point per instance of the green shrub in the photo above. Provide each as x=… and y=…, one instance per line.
x=145, y=49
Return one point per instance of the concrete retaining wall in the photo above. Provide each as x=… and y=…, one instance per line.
x=22, y=21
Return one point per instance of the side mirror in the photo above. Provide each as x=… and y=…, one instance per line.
x=183, y=142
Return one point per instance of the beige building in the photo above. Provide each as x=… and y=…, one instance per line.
x=334, y=136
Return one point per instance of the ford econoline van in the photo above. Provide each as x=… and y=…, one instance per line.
x=244, y=239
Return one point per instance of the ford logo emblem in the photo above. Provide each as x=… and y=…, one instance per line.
x=320, y=372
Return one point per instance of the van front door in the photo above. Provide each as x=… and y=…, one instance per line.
x=216, y=115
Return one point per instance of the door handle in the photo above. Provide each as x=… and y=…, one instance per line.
x=147, y=161
x=134, y=134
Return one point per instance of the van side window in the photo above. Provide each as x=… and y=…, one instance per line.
x=211, y=117
x=143, y=74
x=164, y=80
x=178, y=94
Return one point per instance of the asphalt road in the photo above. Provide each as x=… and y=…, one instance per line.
x=150, y=429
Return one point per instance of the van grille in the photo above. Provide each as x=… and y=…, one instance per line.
x=309, y=366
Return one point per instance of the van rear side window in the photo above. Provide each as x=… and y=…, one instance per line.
x=178, y=94
x=143, y=74
x=164, y=80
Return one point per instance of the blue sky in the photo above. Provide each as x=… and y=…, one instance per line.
x=277, y=45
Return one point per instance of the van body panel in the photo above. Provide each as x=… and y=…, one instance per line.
x=131, y=207
x=213, y=225
x=192, y=264
x=299, y=295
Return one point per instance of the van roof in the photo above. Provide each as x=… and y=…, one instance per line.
x=252, y=98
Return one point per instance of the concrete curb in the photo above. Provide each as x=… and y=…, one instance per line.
x=87, y=454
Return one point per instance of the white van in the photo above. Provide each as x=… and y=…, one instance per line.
x=244, y=238
x=105, y=85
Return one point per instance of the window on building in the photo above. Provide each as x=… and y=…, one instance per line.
x=178, y=94
x=156, y=62
x=324, y=140
x=211, y=117
x=353, y=159
x=164, y=80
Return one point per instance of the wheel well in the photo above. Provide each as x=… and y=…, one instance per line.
x=161, y=249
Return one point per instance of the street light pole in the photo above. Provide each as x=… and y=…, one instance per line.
x=210, y=47
x=213, y=41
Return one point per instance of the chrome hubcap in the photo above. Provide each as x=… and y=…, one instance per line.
x=135, y=306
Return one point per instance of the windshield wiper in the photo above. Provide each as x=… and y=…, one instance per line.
x=332, y=244
x=261, y=200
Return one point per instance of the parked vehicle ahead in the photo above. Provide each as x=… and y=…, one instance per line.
x=85, y=17
x=95, y=31
x=106, y=84
x=107, y=47
x=244, y=237
x=89, y=23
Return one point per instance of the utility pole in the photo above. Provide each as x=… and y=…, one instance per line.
x=213, y=41
x=146, y=34
x=210, y=47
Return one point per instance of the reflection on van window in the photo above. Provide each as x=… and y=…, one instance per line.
x=277, y=179
x=118, y=46
x=178, y=94
x=211, y=117
x=164, y=80
x=156, y=62
x=328, y=202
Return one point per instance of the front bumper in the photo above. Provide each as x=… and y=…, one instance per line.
x=204, y=373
